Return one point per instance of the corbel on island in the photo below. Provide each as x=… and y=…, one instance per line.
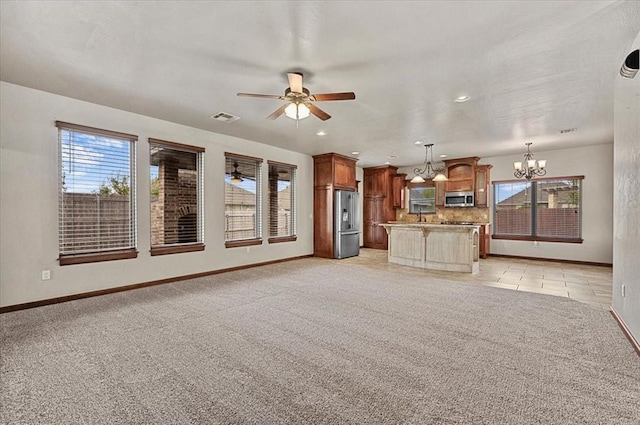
x=434, y=246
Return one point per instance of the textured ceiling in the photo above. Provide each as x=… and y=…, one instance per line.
x=531, y=68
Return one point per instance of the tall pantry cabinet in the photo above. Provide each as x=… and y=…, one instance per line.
x=378, y=205
x=331, y=171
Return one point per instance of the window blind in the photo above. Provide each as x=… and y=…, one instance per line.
x=242, y=197
x=97, y=208
x=542, y=209
x=282, y=199
x=176, y=193
x=512, y=213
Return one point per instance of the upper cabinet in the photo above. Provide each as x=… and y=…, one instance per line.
x=461, y=173
x=465, y=175
x=398, y=184
x=336, y=170
x=482, y=185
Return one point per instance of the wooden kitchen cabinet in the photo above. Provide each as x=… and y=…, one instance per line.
x=378, y=205
x=331, y=172
x=461, y=173
x=398, y=183
x=484, y=237
x=482, y=185
x=440, y=194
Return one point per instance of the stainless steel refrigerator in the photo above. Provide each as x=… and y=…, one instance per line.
x=346, y=224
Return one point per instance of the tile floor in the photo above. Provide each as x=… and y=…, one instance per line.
x=587, y=284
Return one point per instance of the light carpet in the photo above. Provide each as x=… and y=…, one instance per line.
x=317, y=342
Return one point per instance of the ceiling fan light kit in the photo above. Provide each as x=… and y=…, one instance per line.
x=300, y=100
x=297, y=111
x=236, y=176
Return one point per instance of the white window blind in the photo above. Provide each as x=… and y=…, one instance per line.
x=542, y=209
x=97, y=210
x=176, y=193
x=512, y=212
x=242, y=198
x=282, y=200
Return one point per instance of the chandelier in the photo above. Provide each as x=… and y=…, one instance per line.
x=430, y=170
x=529, y=167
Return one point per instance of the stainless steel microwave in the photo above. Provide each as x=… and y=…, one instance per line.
x=458, y=199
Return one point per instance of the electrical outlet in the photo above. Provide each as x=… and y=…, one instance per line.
x=46, y=274
x=248, y=249
x=535, y=244
x=623, y=290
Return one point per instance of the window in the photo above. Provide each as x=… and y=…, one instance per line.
x=242, y=200
x=282, y=202
x=540, y=210
x=176, y=197
x=96, y=197
x=422, y=199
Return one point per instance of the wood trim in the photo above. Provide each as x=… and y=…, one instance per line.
x=333, y=154
x=238, y=156
x=57, y=300
x=278, y=239
x=242, y=242
x=179, y=146
x=66, y=260
x=537, y=179
x=100, y=131
x=281, y=164
x=625, y=330
x=554, y=260
x=176, y=249
x=537, y=238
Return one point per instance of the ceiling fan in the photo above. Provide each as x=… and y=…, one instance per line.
x=300, y=100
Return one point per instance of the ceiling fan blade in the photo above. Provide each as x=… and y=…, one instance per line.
x=277, y=112
x=333, y=96
x=318, y=112
x=295, y=82
x=264, y=96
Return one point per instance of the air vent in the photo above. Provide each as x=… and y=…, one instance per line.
x=225, y=117
x=568, y=130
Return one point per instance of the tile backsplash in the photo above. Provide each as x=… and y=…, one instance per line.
x=476, y=215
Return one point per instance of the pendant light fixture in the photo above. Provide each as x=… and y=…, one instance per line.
x=530, y=167
x=430, y=170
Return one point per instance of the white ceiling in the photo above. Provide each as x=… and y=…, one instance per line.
x=531, y=68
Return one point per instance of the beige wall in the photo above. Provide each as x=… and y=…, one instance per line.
x=626, y=234
x=29, y=199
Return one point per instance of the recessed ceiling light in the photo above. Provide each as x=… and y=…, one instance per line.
x=418, y=142
x=387, y=163
x=393, y=156
x=355, y=153
x=443, y=156
x=321, y=133
x=462, y=99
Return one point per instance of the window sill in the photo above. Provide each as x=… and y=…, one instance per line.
x=279, y=239
x=66, y=260
x=177, y=249
x=537, y=238
x=242, y=242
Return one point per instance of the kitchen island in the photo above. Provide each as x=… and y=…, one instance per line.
x=434, y=246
